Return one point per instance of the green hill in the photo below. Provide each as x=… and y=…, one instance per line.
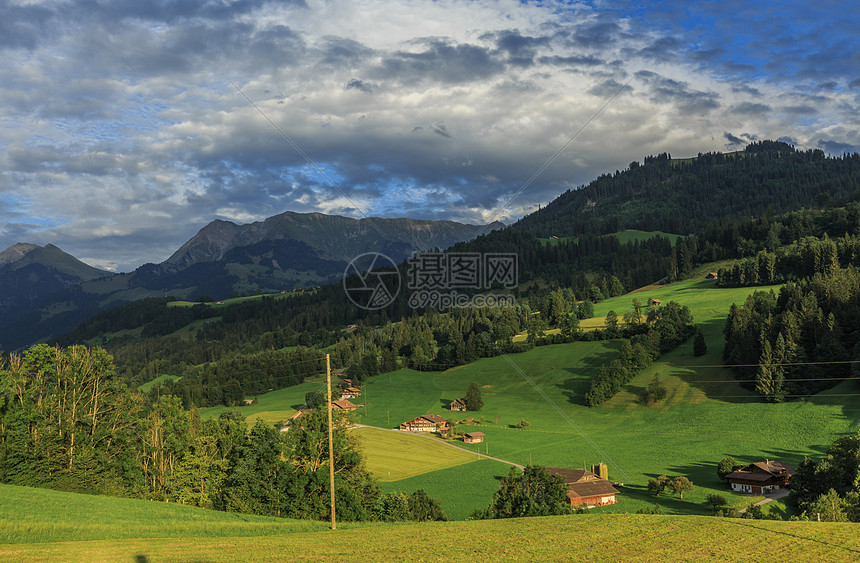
x=40, y=525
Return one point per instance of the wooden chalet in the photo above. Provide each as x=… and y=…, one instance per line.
x=458, y=405
x=584, y=488
x=711, y=276
x=425, y=423
x=343, y=405
x=654, y=303
x=761, y=478
x=350, y=393
x=473, y=437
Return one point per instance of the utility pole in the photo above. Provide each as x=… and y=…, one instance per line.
x=330, y=440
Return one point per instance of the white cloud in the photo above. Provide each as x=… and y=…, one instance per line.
x=120, y=137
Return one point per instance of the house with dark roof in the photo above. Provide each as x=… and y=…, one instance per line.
x=458, y=405
x=761, y=478
x=473, y=437
x=350, y=393
x=584, y=488
x=425, y=423
x=342, y=405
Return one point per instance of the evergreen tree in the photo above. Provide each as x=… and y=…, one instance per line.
x=474, y=401
x=700, y=348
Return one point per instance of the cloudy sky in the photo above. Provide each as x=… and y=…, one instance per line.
x=126, y=126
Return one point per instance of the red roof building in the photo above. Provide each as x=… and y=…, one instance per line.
x=584, y=488
x=761, y=478
x=425, y=423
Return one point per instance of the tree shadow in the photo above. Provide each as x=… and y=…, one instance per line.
x=575, y=387
x=707, y=373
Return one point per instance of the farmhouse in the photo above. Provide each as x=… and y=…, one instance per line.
x=761, y=478
x=425, y=423
x=711, y=276
x=458, y=405
x=285, y=425
x=473, y=437
x=350, y=393
x=654, y=303
x=342, y=405
x=584, y=488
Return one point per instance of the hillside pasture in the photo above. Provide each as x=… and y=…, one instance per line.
x=393, y=455
x=67, y=527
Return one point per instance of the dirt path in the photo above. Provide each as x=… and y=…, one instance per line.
x=449, y=444
x=781, y=493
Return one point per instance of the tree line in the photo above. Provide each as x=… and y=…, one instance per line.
x=68, y=422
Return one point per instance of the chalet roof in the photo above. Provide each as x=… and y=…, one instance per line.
x=462, y=401
x=475, y=434
x=591, y=488
x=343, y=404
x=351, y=390
x=434, y=418
x=762, y=471
x=572, y=475
x=299, y=413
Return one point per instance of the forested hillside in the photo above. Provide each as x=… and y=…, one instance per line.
x=683, y=196
x=751, y=215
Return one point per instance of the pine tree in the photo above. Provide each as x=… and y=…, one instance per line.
x=474, y=402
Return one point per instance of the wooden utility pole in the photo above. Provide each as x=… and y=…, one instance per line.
x=330, y=440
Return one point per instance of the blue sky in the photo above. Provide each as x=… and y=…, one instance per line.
x=121, y=133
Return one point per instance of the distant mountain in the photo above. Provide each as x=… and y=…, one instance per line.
x=29, y=273
x=45, y=292
x=331, y=238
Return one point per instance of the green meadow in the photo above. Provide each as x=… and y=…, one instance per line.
x=68, y=527
x=705, y=417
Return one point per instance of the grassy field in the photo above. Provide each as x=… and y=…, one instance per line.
x=705, y=417
x=392, y=456
x=160, y=379
x=68, y=527
x=29, y=515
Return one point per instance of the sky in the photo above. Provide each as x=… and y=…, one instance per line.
x=127, y=126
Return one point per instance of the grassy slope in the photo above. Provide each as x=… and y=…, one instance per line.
x=705, y=417
x=69, y=527
x=392, y=456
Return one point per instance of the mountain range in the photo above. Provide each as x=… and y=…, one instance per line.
x=45, y=292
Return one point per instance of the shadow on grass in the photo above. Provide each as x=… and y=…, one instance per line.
x=575, y=388
x=667, y=502
x=707, y=373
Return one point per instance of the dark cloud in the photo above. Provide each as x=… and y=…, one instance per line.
x=663, y=49
x=799, y=110
x=667, y=90
x=750, y=108
x=441, y=61
x=520, y=50
x=733, y=141
x=837, y=148
x=608, y=88
x=854, y=84
x=598, y=36
x=356, y=84
x=23, y=27
x=572, y=61
x=441, y=129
